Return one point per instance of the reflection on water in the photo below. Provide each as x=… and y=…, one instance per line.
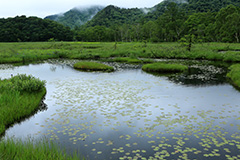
x=130, y=114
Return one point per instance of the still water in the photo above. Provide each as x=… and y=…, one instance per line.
x=130, y=114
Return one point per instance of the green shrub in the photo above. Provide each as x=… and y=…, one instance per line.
x=164, y=68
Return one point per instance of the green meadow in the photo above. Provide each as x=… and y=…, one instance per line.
x=30, y=52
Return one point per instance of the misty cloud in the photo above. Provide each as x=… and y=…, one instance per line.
x=42, y=8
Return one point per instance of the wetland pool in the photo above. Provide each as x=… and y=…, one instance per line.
x=130, y=114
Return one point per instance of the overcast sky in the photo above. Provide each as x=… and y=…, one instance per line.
x=43, y=8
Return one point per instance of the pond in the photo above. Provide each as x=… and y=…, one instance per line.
x=130, y=114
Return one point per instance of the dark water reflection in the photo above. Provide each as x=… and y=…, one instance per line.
x=130, y=114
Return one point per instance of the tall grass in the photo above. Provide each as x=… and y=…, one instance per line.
x=11, y=149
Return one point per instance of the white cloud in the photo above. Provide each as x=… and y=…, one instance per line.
x=42, y=8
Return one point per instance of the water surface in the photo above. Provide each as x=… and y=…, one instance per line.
x=130, y=114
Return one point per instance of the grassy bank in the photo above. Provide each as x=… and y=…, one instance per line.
x=234, y=74
x=20, y=97
x=164, y=68
x=28, y=52
x=93, y=66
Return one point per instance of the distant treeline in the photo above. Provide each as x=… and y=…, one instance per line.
x=172, y=25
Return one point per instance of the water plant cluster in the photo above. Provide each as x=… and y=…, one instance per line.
x=164, y=68
x=92, y=66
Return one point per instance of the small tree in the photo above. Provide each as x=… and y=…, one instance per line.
x=187, y=41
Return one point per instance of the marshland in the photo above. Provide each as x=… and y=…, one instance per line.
x=65, y=113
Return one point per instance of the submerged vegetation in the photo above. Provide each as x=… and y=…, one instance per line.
x=164, y=68
x=234, y=74
x=93, y=66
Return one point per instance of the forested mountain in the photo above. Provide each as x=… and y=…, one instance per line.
x=76, y=16
x=32, y=29
x=112, y=15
